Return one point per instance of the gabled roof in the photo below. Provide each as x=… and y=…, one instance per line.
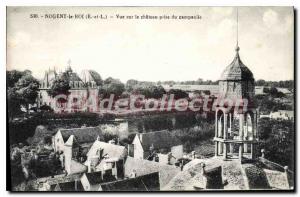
x=71, y=141
x=149, y=182
x=112, y=150
x=82, y=135
x=77, y=167
x=69, y=186
x=236, y=70
x=95, y=178
x=159, y=139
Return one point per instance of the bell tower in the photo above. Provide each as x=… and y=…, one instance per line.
x=236, y=133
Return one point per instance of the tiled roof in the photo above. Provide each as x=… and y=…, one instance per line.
x=82, y=135
x=149, y=182
x=112, y=150
x=159, y=139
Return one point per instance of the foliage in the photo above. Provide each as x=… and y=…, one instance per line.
x=178, y=94
x=22, y=89
x=281, y=84
x=277, y=138
x=111, y=86
x=150, y=91
x=60, y=85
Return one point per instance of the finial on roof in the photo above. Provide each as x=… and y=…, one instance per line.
x=237, y=30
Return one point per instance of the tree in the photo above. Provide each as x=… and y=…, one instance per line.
x=27, y=88
x=178, y=94
x=12, y=77
x=22, y=89
x=111, y=86
x=130, y=84
x=60, y=85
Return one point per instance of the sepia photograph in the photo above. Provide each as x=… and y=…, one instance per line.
x=143, y=99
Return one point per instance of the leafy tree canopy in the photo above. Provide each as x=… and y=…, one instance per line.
x=111, y=86
x=22, y=89
x=60, y=85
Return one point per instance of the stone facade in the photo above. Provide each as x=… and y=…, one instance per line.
x=82, y=89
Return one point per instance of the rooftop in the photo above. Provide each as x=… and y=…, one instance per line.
x=82, y=135
x=256, y=174
x=236, y=70
x=149, y=182
x=158, y=139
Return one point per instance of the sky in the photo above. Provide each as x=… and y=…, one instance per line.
x=153, y=50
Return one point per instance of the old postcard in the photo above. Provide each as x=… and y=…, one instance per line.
x=150, y=98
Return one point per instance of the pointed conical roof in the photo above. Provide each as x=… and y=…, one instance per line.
x=236, y=70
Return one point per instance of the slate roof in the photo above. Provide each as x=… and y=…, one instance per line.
x=95, y=178
x=68, y=186
x=160, y=140
x=82, y=135
x=112, y=150
x=149, y=182
x=72, y=141
x=236, y=70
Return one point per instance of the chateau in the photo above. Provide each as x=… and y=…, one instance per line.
x=82, y=88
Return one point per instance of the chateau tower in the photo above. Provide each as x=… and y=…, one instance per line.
x=236, y=122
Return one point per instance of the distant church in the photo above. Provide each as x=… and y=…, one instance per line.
x=81, y=87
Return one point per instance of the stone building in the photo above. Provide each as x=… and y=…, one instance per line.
x=236, y=164
x=82, y=89
x=236, y=124
x=161, y=145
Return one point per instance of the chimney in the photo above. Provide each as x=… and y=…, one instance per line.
x=193, y=155
x=262, y=153
x=202, y=168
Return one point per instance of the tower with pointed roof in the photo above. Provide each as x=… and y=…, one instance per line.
x=236, y=133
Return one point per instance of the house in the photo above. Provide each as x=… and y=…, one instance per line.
x=282, y=115
x=285, y=91
x=104, y=156
x=139, y=167
x=83, y=135
x=92, y=181
x=67, y=186
x=149, y=182
x=71, y=157
x=156, y=144
x=259, y=90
